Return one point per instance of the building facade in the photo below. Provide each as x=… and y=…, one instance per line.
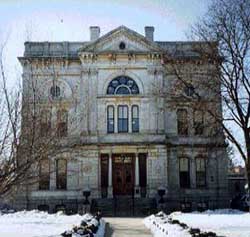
x=114, y=103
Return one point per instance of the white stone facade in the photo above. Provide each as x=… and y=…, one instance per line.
x=83, y=71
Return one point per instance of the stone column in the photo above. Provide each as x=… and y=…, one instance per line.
x=110, y=187
x=137, y=182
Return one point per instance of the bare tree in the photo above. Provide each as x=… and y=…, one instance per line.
x=223, y=46
x=25, y=140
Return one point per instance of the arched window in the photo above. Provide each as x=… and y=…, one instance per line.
x=122, y=118
x=184, y=173
x=135, y=118
x=110, y=119
x=122, y=85
x=182, y=122
x=44, y=174
x=61, y=174
x=200, y=172
x=62, y=123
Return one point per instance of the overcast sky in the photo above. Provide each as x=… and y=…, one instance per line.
x=70, y=20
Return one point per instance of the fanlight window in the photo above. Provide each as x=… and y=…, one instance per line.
x=122, y=85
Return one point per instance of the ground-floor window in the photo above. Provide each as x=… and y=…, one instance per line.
x=61, y=174
x=200, y=172
x=44, y=174
x=184, y=174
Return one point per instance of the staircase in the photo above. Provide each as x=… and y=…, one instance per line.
x=105, y=205
x=124, y=206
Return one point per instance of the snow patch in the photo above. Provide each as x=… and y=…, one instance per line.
x=41, y=224
x=224, y=222
x=159, y=226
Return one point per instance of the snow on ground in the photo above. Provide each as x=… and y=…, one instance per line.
x=160, y=228
x=225, y=222
x=39, y=224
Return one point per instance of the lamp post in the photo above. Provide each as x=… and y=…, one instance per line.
x=161, y=202
x=161, y=193
x=86, y=193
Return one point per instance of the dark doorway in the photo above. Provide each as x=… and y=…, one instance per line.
x=104, y=174
x=123, y=174
x=143, y=173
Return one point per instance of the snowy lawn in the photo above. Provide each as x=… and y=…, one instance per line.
x=39, y=224
x=225, y=222
x=161, y=228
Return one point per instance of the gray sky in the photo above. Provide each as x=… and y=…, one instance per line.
x=70, y=20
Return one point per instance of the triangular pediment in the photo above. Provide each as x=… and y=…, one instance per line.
x=111, y=42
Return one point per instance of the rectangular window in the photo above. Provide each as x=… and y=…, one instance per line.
x=198, y=122
x=135, y=118
x=184, y=173
x=182, y=122
x=110, y=119
x=45, y=125
x=62, y=123
x=61, y=174
x=122, y=118
x=44, y=174
x=200, y=172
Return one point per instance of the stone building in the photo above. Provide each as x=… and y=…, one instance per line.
x=124, y=133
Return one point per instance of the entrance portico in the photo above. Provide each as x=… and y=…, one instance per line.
x=121, y=173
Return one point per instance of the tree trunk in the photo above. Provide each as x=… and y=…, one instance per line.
x=247, y=162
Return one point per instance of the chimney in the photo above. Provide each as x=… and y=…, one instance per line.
x=94, y=32
x=149, y=33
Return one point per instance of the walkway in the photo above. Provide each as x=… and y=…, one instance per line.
x=125, y=227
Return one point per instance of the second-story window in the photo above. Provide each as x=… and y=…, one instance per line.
x=45, y=125
x=198, y=122
x=182, y=122
x=122, y=118
x=62, y=123
x=135, y=118
x=110, y=119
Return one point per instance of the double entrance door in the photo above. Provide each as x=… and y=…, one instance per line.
x=123, y=174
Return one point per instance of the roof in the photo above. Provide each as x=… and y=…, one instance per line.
x=178, y=49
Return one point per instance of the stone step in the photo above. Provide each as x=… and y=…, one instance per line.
x=124, y=206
